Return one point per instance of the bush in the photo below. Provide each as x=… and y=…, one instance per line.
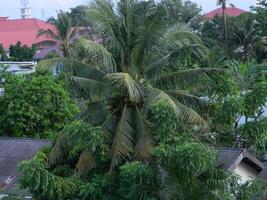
x=138, y=181
x=35, y=107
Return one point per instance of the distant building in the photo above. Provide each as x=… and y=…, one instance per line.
x=23, y=30
x=18, y=68
x=242, y=163
x=230, y=11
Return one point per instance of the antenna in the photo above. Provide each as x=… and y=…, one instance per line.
x=43, y=14
x=25, y=10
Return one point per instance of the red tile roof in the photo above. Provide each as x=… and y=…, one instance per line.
x=230, y=11
x=23, y=30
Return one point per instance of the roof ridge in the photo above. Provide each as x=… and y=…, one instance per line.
x=23, y=138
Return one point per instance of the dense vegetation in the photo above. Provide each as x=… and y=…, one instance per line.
x=36, y=107
x=157, y=96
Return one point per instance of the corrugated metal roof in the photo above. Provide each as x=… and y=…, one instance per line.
x=12, y=152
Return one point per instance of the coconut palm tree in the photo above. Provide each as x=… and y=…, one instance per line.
x=223, y=4
x=123, y=77
x=63, y=34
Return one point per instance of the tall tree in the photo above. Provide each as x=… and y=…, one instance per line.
x=19, y=52
x=79, y=16
x=182, y=11
x=135, y=67
x=223, y=4
x=63, y=34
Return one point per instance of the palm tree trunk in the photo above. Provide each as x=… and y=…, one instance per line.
x=226, y=47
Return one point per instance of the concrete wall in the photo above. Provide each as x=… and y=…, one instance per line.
x=245, y=172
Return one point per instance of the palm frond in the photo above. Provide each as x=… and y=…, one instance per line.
x=97, y=54
x=144, y=146
x=59, y=150
x=89, y=88
x=85, y=163
x=46, y=43
x=48, y=33
x=184, y=113
x=169, y=44
x=171, y=187
x=185, y=78
x=191, y=117
x=122, y=145
x=70, y=66
x=127, y=85
x=148, y=32
x=105, y=22
x=94, y=112
x=188, y=99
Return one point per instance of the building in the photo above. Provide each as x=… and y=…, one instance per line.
x=23, y=30
x=242, y=163
x=12, y=152
x=230, y=11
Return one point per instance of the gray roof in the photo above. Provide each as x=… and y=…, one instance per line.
x=229, y=159
x=42, y=53
x=12, y=152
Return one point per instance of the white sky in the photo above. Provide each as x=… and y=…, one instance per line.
x=11, y=8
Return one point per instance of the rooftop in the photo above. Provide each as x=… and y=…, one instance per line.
x=12, y=152
x=23, y=30
x=230, y=11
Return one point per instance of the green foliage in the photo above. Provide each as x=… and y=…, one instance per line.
x=19, y=52
x=79, y=16
x=232, y=108
x=191, y=157
x=81, y=144
x=255, y=190
x=255, y=133
x=255, y=99
x=164, y=122
x=42, y=183
x=35, y=106
x=100, y=187
x=138, y=182
x=182, y=11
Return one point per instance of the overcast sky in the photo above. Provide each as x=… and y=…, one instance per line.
x=11, y=8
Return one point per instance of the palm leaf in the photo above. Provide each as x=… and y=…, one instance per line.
x=185, y=78
x=89, y=89
x=94, y=112
x=152, y=29
x=97, y=54
x=122, y=146
x=127, y=85
x=59, y=150
x=70, y=66
x=144, y=146
x=48, y=33
x=188, y=99
x=105, y=22
x=169, y=44
x=85, y=163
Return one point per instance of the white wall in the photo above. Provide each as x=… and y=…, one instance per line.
x=245, y=172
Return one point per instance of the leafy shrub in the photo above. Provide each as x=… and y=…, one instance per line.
x=138, y=182
x=102, y=187
x=42, y=183
x=164, y=122
x=35, y=107
x=193, y=158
